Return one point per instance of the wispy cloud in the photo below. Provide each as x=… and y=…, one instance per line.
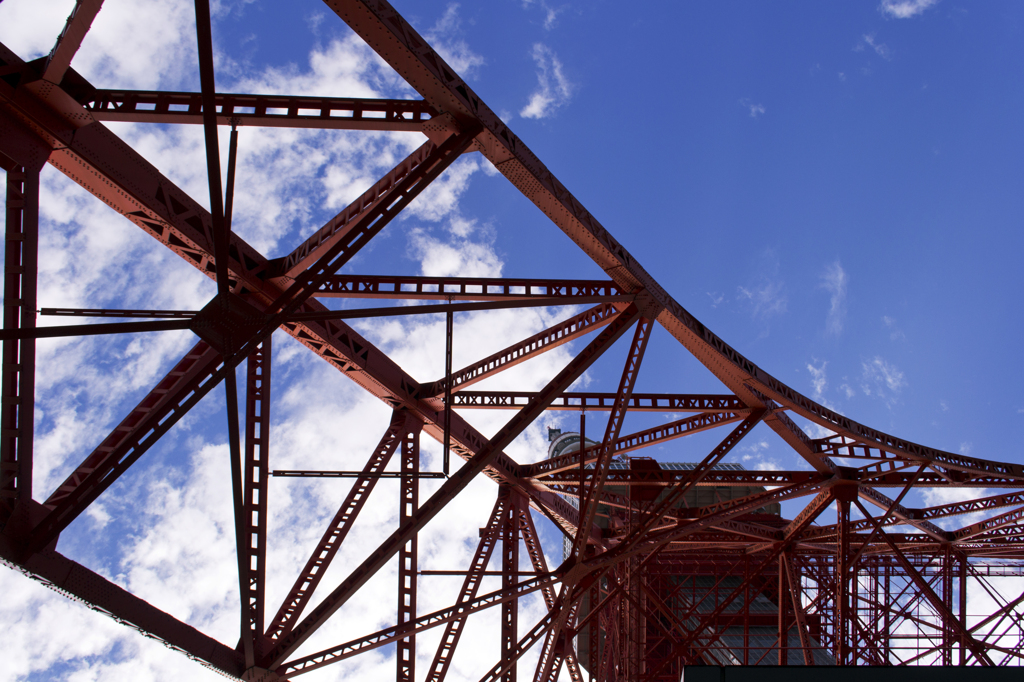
x=553, y=87
x=881, y=49
x=446, y=37
x=768, y=295
x=882, y=379
x=768, y=298
x=834, y=281
x=818, y=380
x=754, y=109
x=550, y=13
x=895, y=333
x=905, y=9
x=716, y=298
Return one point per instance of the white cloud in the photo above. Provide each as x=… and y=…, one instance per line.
x=445, y=37
x=818, y=380
x=882, y=379
x=754, y=109
x=716, y=298
x=895, y=333
x=439, y=200
x=166, y=56
x=834, y=281
x=550, y=13
x=905, y=9
x=441, y=258
x=553, y=87
x=755, y=456
x=766, y=295
x=768, y=298
x=881, y=49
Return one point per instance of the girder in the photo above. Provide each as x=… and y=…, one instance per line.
x=820, y=577
x=325, y=113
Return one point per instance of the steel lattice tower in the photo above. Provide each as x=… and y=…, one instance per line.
x=652, y=582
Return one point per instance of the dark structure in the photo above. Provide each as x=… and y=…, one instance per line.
x=665, y=585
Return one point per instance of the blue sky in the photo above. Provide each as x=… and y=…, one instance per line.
x=834, y=189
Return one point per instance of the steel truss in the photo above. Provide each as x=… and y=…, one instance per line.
x=651, y=583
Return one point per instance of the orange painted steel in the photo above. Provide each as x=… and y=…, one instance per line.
x=657, y=578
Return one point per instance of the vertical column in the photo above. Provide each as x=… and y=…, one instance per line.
x=256, y=471
x=407, y=554
x=962, y=615
x=746, y=611
x=593, y=634
x=783, y=638
x=947, y=599
x=853, y=609
x=842, y=584
x=19, y=356
x=509, y=577
x=888, y=601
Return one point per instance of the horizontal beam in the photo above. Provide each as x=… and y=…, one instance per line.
x=294, y=473
x=435, y=308
x=716, y=478
x=466, y=288
x=118, y=313
x=274, y=111
x=601, y=402
x=94, y=329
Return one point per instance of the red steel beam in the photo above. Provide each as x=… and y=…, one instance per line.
x=268, y=111
x=256, y=472
x=17, y=376
x=509, y=572
x=602, y=402
x=714, y=478
x=408, y=555
x=70, y=39
x=412, y=287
